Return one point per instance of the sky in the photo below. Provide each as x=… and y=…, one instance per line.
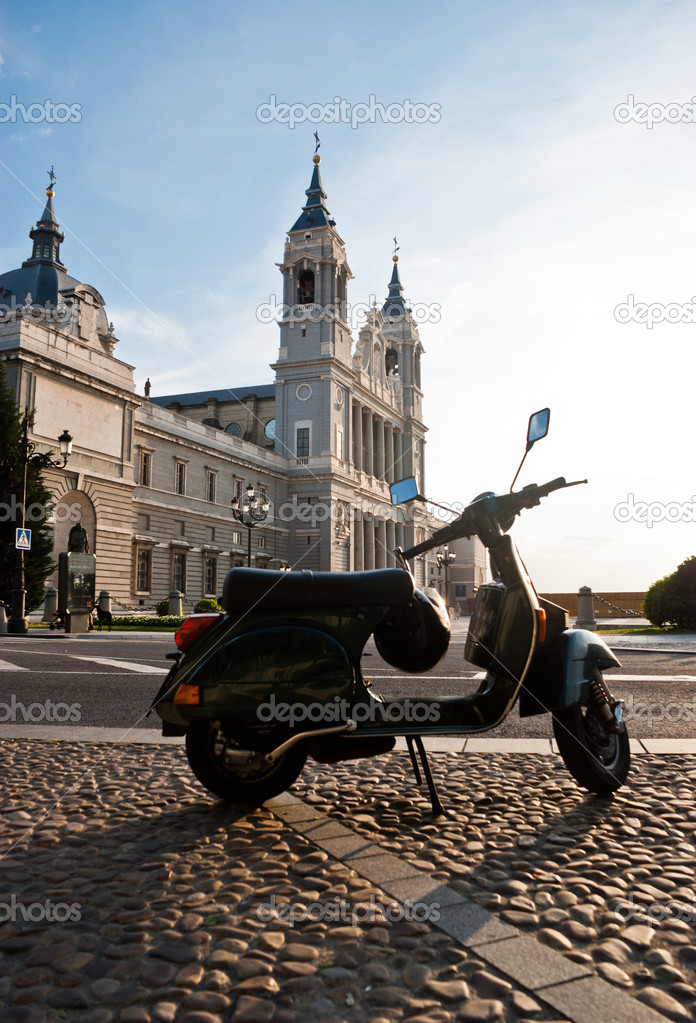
x=534, y=160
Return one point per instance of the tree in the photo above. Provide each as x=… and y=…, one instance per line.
x=672, y=600
x=38, y=562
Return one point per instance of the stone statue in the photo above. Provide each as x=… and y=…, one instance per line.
x=78, y=541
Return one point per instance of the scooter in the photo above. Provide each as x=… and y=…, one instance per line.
x=277, y=676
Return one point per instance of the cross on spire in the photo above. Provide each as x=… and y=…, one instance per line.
x=316, y=137
x=52, y=177
x=396, y=247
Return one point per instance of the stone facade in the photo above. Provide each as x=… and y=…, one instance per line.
x=152, y=478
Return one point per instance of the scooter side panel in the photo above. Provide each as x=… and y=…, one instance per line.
x=560, y=673
x=258, y=674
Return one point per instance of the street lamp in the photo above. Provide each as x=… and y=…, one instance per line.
x=17, y=624
x=445, y=557
x=249, y=513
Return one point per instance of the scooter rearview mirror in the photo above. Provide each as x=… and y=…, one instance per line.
x=537, y=428
x=404, y=490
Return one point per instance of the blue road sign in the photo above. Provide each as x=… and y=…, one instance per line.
x=23, y=541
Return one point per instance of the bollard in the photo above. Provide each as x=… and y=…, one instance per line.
x=50, y=604
x=3, y=620
x=104, y=601
x=176, y=606
x=585, y=618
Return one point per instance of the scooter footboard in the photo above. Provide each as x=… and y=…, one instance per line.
x=561, y=671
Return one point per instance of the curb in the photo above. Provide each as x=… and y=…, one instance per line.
x=433, y=744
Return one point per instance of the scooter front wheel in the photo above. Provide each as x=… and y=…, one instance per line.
x=596, y=757
x=211, y=757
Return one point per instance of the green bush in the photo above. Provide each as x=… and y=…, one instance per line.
x=163, y=607
x=672, y=600
x=207, y=605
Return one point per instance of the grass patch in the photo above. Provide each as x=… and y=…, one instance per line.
x=650, y=631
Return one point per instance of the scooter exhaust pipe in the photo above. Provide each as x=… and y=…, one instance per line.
x=244, y=756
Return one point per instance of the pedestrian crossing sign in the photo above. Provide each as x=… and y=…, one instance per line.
x=23, y=541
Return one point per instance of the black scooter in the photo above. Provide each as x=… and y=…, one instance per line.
x=277, y=676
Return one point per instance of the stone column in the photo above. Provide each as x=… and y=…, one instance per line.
x=357, y=436
x=389, y=467
x=358, y=545
x=379, y=448
x=391, y=541
x=398, y=451
x=369, y=466
x=369, y=542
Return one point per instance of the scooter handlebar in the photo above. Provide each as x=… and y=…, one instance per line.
x=509, y=506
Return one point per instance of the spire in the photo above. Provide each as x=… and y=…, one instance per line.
x=394, y=306
x=46, y=236
x=314, y=213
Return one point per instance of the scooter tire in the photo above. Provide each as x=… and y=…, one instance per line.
x=599, y=760
x=240, y=785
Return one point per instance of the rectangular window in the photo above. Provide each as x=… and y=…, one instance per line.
x=260, y=541
x=236, y=537
x=211, y=533
x=179, y=571
x=145, y=468
x=302, y=442
x=181, y=477
x=210, y=577
x=212, y=486
x=339, y=443
x=142, y=582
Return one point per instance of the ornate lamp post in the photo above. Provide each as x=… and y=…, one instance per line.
x=445, y=557
x=249, y=513
x=17, y=623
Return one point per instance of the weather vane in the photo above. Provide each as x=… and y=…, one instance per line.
x=396, y=247
x=51, y=176
x=316, y=148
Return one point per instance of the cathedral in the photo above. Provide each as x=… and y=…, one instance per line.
x=154, y=479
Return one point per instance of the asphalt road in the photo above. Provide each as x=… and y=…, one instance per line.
x=110, y=682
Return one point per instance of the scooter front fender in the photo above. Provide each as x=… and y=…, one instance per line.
x=560, y=673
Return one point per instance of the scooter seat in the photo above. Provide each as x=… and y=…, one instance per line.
x=246, y=587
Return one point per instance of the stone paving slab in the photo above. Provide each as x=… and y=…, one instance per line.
x=535, y=966
x=585, y=1001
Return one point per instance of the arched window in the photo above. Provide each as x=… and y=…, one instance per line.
x=391, y=361
x=305, y=288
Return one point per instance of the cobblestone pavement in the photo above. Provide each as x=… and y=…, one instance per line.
x=139, y=897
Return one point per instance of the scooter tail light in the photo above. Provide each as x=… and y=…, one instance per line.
x=189, y=696
x=541, y=624
x=193, y=628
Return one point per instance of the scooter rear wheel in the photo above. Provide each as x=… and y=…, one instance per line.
x=597, y=758
x=206, y=749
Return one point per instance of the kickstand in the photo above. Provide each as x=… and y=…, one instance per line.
x=415, y=740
